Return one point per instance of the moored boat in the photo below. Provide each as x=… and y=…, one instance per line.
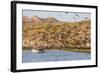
x=38, y=51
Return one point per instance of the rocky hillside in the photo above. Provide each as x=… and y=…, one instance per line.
x=73, y=36
x=36, y=19
x=26, y=19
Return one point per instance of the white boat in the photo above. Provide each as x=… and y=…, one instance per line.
x=37, y=51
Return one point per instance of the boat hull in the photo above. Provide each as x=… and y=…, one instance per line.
x=37, y=51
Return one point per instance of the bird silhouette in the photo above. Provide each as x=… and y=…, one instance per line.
x=74, y=17
x=77, y=15
x=66, y=12
x=86, y=18
x=59, y=15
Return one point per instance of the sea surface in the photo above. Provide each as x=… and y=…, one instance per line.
x=54, y=55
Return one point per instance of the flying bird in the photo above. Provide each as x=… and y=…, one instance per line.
x=66, y=12
x=86, y=18
x=77, y=15
x=59, y=15
x=74, y=17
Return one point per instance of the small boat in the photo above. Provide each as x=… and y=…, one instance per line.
x=38, y=51
x=35, y=51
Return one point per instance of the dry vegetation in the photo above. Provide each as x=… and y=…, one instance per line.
x=74, y=36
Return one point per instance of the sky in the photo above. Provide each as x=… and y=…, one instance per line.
x=61, y=16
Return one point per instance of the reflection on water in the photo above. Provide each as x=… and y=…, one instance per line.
x=54, y=55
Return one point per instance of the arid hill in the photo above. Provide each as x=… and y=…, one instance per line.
x=50, y=19
x=26, y=19
x=74, y=36
x=36, y=19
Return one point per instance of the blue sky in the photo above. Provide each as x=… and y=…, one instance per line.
x=62, y=16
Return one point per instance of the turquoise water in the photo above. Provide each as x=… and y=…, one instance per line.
x=54, y=55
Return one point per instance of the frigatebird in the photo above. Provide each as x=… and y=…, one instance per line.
x=77, y=15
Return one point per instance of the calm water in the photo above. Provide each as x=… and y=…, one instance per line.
x=54, y=55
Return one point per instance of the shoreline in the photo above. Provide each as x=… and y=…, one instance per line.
x=70, y=50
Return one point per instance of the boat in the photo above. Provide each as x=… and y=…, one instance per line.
x=38, y=51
